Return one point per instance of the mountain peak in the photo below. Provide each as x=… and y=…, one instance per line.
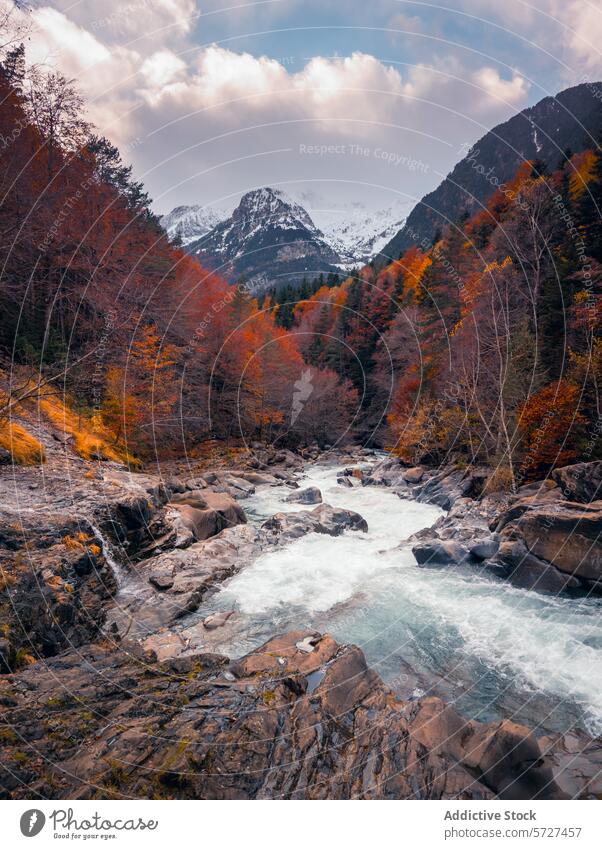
x=268, y=239
x=275, y=206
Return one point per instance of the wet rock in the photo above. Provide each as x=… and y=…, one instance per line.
x=217, y=620
x=413, y=475
x=323, y=520
x=442, y=488
x=552, y=544
x=514, y=562
x=343, y=480
x=164, y=589
x=484, y=548
x=440, y=553
x=310, y=495
x=189, y=728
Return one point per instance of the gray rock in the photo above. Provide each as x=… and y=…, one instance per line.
x=310, y=495
x=217, y=620
x=323, y=520
x=439, y=553
x=484, y=548
x=581, y=482
x=413, y=475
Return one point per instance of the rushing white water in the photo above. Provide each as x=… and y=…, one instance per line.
x=493, y=649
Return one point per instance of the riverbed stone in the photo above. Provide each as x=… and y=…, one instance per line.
x=413, y=475
x=440, y=553
x=484, y=548
x=309, y=495
x=322, y=520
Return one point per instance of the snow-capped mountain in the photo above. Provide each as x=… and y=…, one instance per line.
x=191, y=222
x=355, y=232
x=268, y=239
x=271, y=237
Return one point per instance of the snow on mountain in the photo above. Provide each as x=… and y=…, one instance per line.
x=191, y=222
x=271, y=236
x=268, y=238
x=353, y=230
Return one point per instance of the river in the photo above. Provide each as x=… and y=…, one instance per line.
x=489, y=648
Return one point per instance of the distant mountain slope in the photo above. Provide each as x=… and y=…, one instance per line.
x=190, y=222
x=541, y=132
x=357, y=233
x=268, y=239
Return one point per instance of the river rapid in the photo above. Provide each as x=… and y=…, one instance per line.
x=488, y=648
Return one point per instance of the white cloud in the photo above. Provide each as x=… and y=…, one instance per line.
x=57, y=39
x=147, y=79
x=497, y=90
x=585, y=39
x=162, y=68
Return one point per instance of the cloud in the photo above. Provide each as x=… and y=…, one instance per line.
x=210, y=118
x=406, y=23
x=497, y=90
x=58, y=39
x=162, y=68
x=148, y=21
x=586, y=36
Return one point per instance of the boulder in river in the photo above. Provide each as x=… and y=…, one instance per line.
x=322, y=520
x=309, y=495
x=440, y=553
x=551, y=544
x=484, y=548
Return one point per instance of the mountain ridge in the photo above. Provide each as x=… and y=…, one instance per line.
x=540, y=132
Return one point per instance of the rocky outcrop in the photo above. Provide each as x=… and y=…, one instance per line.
x=165, y=589
x=55, y=584
x=536, y=539
x=581, y=482
x=205, y=513
x=323, y=520
x=551, y=544
x=442, y=487
x=440, y=553
x=310, y=495
x=280, y=723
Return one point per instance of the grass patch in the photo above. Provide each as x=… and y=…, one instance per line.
x=24, y=448
x=91, y=439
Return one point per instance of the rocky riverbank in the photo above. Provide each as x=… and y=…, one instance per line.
x=547, y=536
x=109, y=687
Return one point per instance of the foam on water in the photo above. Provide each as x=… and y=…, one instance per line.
x=502, y=651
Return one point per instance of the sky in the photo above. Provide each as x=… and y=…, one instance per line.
x=346, y=103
